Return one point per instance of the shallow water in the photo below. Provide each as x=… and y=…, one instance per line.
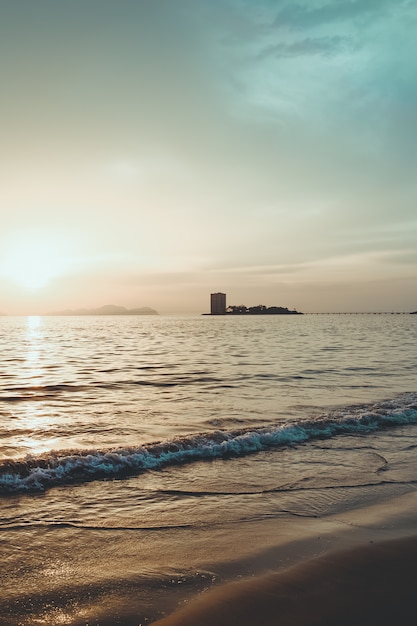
x=141, y=455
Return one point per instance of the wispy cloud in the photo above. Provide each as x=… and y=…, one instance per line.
x=309, y=46
x=311, y=13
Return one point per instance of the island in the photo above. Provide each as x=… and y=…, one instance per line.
x=107, y=309
x=260, y=309
x=218, y=307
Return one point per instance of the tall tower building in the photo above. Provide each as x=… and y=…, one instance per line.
x=218, y=303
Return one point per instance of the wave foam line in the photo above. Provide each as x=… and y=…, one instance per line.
x=61, y=467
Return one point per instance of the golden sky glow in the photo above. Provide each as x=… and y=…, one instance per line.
x=153, y=152
x=32, y=259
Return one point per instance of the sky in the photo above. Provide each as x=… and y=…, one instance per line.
x=154, y=151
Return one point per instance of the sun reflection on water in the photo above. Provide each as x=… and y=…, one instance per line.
x=34, y=417
x=35, y=425
x=34, y=342
x=33, y=321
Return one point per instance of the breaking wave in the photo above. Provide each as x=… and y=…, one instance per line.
x=37, y=473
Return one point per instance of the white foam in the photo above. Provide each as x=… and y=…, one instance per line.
x=56, y=468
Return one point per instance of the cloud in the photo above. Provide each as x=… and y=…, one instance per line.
x=325, y=46
x=402, y=257
x=311, y=14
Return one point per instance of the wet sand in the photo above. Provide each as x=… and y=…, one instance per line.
x=372, y=583
x=357, y=567
x=369, y=585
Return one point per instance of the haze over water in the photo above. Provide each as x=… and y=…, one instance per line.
x=141, y=456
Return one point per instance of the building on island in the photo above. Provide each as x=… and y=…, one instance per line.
x=218, y=303
x=219, y=307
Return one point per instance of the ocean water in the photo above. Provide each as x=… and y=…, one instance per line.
x=141, y=456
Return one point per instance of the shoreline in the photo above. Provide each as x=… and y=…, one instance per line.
x=192, y=572
x=360, y=570
x=372, y=585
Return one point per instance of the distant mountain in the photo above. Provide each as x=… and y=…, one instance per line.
x=107, y=309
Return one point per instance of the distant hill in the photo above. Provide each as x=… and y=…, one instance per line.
x=107, y=309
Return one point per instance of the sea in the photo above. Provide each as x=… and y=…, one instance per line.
x=146, y=459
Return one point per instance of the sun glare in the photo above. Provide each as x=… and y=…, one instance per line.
x=32, y=260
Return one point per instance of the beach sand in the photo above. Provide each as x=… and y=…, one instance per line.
x=370, y=580
x=357, y=567
x=370, y=585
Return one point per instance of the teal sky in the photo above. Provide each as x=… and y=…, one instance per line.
x=153, y=151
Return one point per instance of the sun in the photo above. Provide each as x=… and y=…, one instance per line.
x=33, y=259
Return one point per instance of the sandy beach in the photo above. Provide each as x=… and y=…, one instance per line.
x=369, y=580
x=373, y=584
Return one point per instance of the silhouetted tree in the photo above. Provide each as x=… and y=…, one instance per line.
x=240, y=309
x=259, y=309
